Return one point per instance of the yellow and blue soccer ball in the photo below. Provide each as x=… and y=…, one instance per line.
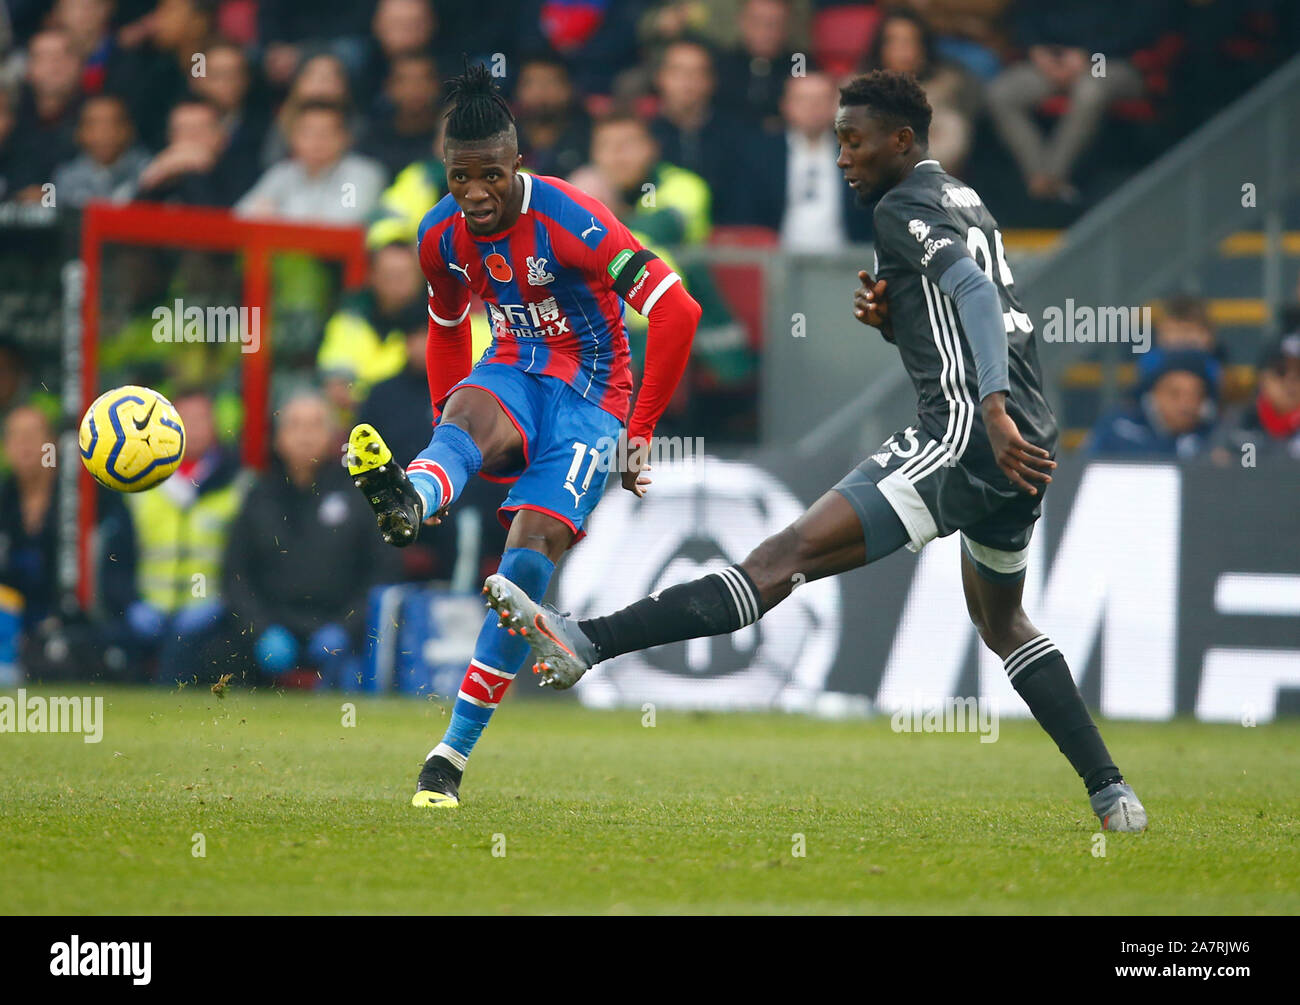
x=131, y=438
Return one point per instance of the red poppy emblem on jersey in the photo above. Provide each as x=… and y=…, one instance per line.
x=498, y=268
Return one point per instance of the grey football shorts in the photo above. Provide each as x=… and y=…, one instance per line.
x=933, y=497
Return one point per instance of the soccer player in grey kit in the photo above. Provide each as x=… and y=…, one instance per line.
x=976, y=460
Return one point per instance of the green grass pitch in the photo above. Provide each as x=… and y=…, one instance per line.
x=571, y=810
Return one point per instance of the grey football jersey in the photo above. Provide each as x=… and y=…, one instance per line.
x=923, y=225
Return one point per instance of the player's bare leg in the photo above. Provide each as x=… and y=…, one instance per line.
x=1039, y=674
x=479, y=415
x=825, y=541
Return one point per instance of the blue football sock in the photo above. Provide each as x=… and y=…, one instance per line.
x=498, y=656
x=440, y=471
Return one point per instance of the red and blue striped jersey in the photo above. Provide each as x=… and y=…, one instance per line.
x=549, y=286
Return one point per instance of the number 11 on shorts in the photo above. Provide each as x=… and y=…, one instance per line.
x=581, y=451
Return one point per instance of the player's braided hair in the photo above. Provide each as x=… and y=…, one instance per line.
x=896, y=98
x=478, y=109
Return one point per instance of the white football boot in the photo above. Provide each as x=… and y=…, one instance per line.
x=1118, y=808
x=562, y=652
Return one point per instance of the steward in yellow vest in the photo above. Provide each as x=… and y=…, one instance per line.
x=181, y=529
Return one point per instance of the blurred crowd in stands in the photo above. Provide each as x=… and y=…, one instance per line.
x=705, y=121
x=1185, y=402
x=269, y=105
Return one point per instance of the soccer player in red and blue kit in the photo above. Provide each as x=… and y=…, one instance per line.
x=545, y=406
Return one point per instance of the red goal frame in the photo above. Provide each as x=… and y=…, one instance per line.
x=199, y=229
